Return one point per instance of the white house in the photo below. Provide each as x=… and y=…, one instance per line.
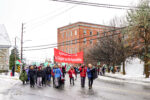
x=4, y=48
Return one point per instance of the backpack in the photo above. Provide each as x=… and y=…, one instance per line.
x=94, y=73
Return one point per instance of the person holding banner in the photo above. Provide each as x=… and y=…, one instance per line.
x=83, y=70
x=71, y=73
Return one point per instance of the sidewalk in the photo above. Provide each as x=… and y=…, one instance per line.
x=117, y=77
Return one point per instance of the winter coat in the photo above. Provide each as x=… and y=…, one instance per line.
x=71, y=72
x=83, y=71
x=57, y=72
x=89, y=72
x=43, y=73
x=39, y=73
x=23, y=76
x=48, y=70
x=76, y=70
x=31, y=73
x=63, y=69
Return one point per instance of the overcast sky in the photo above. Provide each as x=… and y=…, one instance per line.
x=43, y=17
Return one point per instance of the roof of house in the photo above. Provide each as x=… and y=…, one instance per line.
x=83, y=24
x=4, y=38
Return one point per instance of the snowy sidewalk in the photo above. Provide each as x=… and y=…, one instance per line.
x=6, y=81
x=117, y=77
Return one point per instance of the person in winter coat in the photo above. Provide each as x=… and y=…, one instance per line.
x=44, y=76
x=35, y=75
x=48, y=75
x=27, y=71
x=23, y=77
x=71, y=73
x=13, y=71
x=39, y=77
x=76, y=72
x=31, y=75
x=90, y=75
x=57, y=76
x=64, y=70
x=83, y=70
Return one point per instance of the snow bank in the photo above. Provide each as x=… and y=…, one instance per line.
x=6, y=81
x=134, y=67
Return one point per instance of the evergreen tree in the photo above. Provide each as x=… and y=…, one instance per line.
x=12, y=57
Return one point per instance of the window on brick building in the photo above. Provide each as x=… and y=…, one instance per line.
x=91, y=33
x=66, y=34
x=75, y=32
x=84, y=32
x=71, y=42
x=104, y=33
x=98, y=34
x=91, y=41
x=75, y=41
x=75, y=50
x=85, y=40
x=71, y=33
x=71, y=51
x=62, y=35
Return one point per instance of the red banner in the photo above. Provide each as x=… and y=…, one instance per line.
x=61, y=56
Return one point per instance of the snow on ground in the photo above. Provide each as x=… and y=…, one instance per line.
x=134, y=73
x=6, y=82
x=134, y=67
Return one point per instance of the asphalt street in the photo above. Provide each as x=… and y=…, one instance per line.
x=102, y=90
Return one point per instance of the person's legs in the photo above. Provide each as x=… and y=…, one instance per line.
x=73, y=80
x=70, y=80
x=91, y=82
x=83, y=81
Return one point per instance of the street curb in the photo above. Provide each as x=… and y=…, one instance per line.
x=126, y=79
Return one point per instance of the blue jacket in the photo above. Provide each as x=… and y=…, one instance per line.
x=89, y=72
x=57, y=72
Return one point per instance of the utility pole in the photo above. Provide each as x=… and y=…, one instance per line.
x=21, y=45
x=15, y=53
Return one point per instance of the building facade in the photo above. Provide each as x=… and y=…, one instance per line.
x=79, y=36
x=4, y=49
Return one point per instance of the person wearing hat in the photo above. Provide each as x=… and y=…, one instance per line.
x=23, y=77
x=39, y=77
x=31, y=75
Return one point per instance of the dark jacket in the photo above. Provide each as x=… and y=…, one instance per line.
x=31, y=73
x=48, y=70
x=39, y=73
x=44, y=73
x=63, y=69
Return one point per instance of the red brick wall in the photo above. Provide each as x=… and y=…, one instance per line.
x=79, y=27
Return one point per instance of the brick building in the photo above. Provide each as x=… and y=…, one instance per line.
x=79, y=36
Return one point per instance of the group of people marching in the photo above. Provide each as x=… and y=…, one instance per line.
x=41, y=76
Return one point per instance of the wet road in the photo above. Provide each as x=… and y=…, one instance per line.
x=102, y=90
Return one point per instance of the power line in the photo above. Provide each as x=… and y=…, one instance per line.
x=96, y=4
x=52, y=17
x=74, y=39
x=79, y=41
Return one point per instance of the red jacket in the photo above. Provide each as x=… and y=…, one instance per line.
x=71, y=72
x=83, y=71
